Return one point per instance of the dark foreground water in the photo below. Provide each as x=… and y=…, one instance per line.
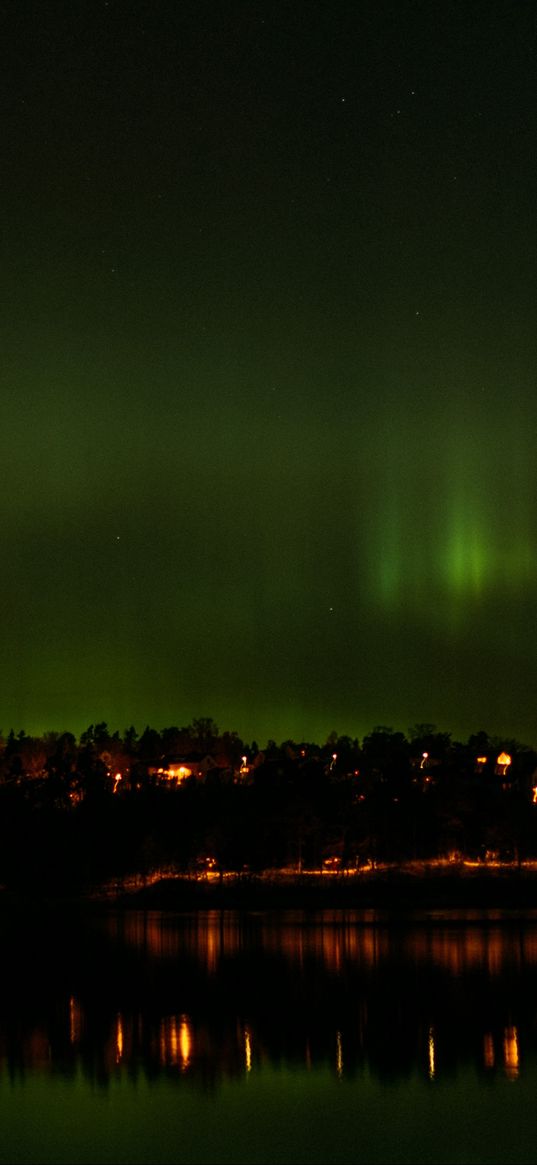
x=286, y=1038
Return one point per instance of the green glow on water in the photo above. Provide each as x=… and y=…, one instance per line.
x=270, y=1115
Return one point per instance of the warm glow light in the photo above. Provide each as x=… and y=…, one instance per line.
x=488, y=1050
x=176, y=1041
x=432, y=1068
x=185, y=1042
x=170, y=1041
x=502, y=764
x=339, y=1055
x=247, y=1050
x=176, y=772
x=534, y=791
x=481, y=760
x=510, y=1052
x=75, y=1020
x=119, y=1038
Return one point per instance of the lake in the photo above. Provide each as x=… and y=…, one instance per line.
x=340, y=1036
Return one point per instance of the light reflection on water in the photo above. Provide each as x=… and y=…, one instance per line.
x=218, y=999
x=357, y=937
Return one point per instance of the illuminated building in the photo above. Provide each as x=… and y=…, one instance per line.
x=503, y=761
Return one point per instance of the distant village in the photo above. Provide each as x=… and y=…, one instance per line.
x=195, y=799
x=172, y=756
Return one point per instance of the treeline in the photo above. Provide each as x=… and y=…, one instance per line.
x=99, y=749
x=75, y=813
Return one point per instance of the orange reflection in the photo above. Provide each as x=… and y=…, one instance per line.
x=431, y=1052
x=185, y=1042
x=175, y=1041
x=119, y=1038
x=168, y=1041
x=75, y=1020
x=510, y=1052
x=247, y=1050
x=488, y=1050
x=216, y=935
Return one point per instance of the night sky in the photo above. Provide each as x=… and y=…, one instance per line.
x=268, y=365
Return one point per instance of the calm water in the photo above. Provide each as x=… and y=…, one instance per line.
x=228, y=1038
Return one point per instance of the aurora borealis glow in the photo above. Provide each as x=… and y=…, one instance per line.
x=268, y=365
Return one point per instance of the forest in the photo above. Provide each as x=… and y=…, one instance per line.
x=76, y=813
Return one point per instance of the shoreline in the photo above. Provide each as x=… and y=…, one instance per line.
x=394, y=892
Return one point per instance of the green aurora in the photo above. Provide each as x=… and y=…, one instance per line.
x=268, y=367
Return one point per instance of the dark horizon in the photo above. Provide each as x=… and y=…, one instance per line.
x=105, y=730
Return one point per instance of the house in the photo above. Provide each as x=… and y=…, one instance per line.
x=173, y=770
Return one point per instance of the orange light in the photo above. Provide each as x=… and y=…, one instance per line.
x=75, y=1020
x=119, y=1038
x=534, y=791
x=504, y=759
x=247, y=1050
x=510, y=1052
x=185, y=1042
x=481, y=760
x=488, y=1050
x=179, y=774
x=432, y=1054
